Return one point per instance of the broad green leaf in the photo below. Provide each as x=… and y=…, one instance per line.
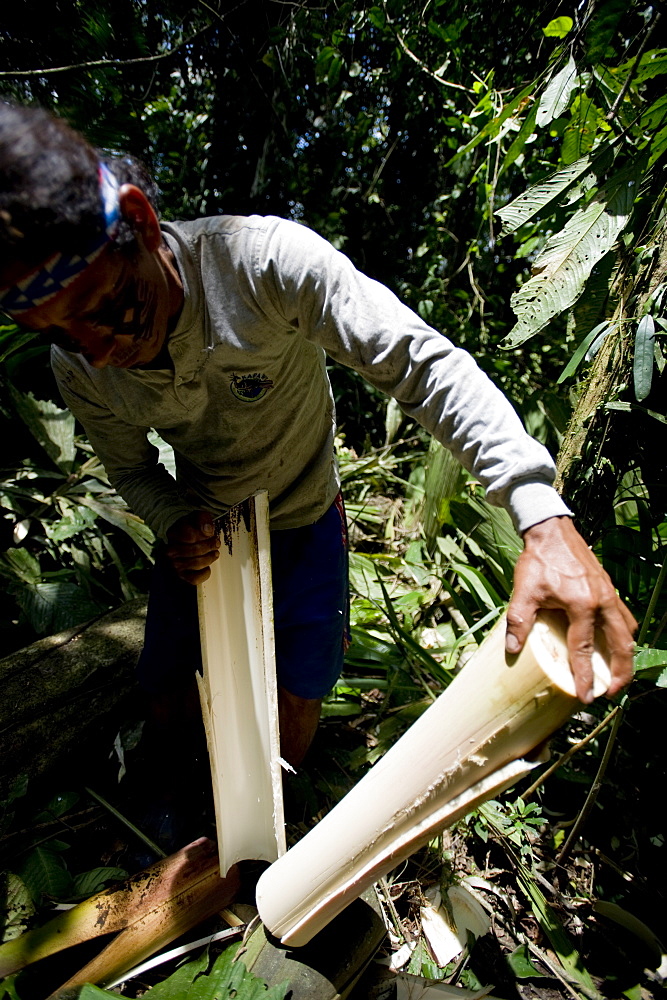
x=52, y=607
x=561, y=270
x=227, y=979
x=521, y=965
x=12, y=339
x=648, y=658
x=91, y=992
x=556, y=96
x=52, y=426
x=71, y=524
x=651, y=64
x=579, y=135
x=542, y=196
x=651, y=664
x=121, y=517
x=559, y=27
x=642, y=368
x=579, y=354
x=88, y=883
x=44, y=873
x=23, y=564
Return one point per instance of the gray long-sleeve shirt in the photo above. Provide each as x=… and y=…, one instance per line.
x=247, y=404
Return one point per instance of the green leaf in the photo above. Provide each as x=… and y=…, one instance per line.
x=521, y=965
x=561, y=270
x=24, y=565
x=651, y=665
x=44, y=873
x=227, y=979
x=122, y=518
x=91, y=992
x=651, y=64
x=52, y=427
x=557, y=93
x=642, y=368
x=559, y=27
x=579, y=135
x=493, y=127
x=602, y=329
x=542, y=196
x=12, y=339
x=52, y=607
x=88, y=883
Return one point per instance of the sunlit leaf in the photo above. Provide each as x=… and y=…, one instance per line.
x=561, y=270
x=559, y=27
x=557, y=93
x=542, y=196
x=521, y=965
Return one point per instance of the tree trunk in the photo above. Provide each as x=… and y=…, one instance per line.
x=64, y=693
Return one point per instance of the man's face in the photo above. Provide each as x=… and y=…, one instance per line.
x=116, y=313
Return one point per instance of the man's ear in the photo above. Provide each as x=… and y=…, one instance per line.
x=137, y=210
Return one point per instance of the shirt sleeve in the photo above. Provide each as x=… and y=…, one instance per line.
x=130, y=460
x=363, y=325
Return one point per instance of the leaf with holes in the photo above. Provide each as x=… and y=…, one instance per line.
x=562, y=269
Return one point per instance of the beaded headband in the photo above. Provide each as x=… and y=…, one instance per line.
x=60, y=270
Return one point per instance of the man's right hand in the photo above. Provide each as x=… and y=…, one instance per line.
x=192, y=545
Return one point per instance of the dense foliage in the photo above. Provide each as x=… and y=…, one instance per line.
x=501, y=167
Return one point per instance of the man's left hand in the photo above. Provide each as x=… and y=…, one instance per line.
x=558, y=570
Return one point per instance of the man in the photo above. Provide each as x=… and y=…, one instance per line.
x=214, y=333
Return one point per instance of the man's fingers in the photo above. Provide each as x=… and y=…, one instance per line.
x=580, y=646
x=520, y=620
x=618, y=628
x=195, y=578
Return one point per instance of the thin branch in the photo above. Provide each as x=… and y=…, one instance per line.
x=591, y=798
x=564, y=758
x=423, y=67
x=50, y=70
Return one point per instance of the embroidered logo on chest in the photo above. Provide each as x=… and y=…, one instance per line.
x=249, y=388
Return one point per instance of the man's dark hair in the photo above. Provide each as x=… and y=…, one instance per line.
x=49, y=187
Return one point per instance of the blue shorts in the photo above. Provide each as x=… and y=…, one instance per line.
x=310, y=610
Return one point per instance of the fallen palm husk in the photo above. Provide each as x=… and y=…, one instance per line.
x=149, y=910
x=238, y=690
x=464, y=749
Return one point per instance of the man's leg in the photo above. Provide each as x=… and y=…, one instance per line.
x=311, y=601
x=310, y=597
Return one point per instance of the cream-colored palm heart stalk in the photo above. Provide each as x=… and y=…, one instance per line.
x=238, y=690
x=465, y=748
